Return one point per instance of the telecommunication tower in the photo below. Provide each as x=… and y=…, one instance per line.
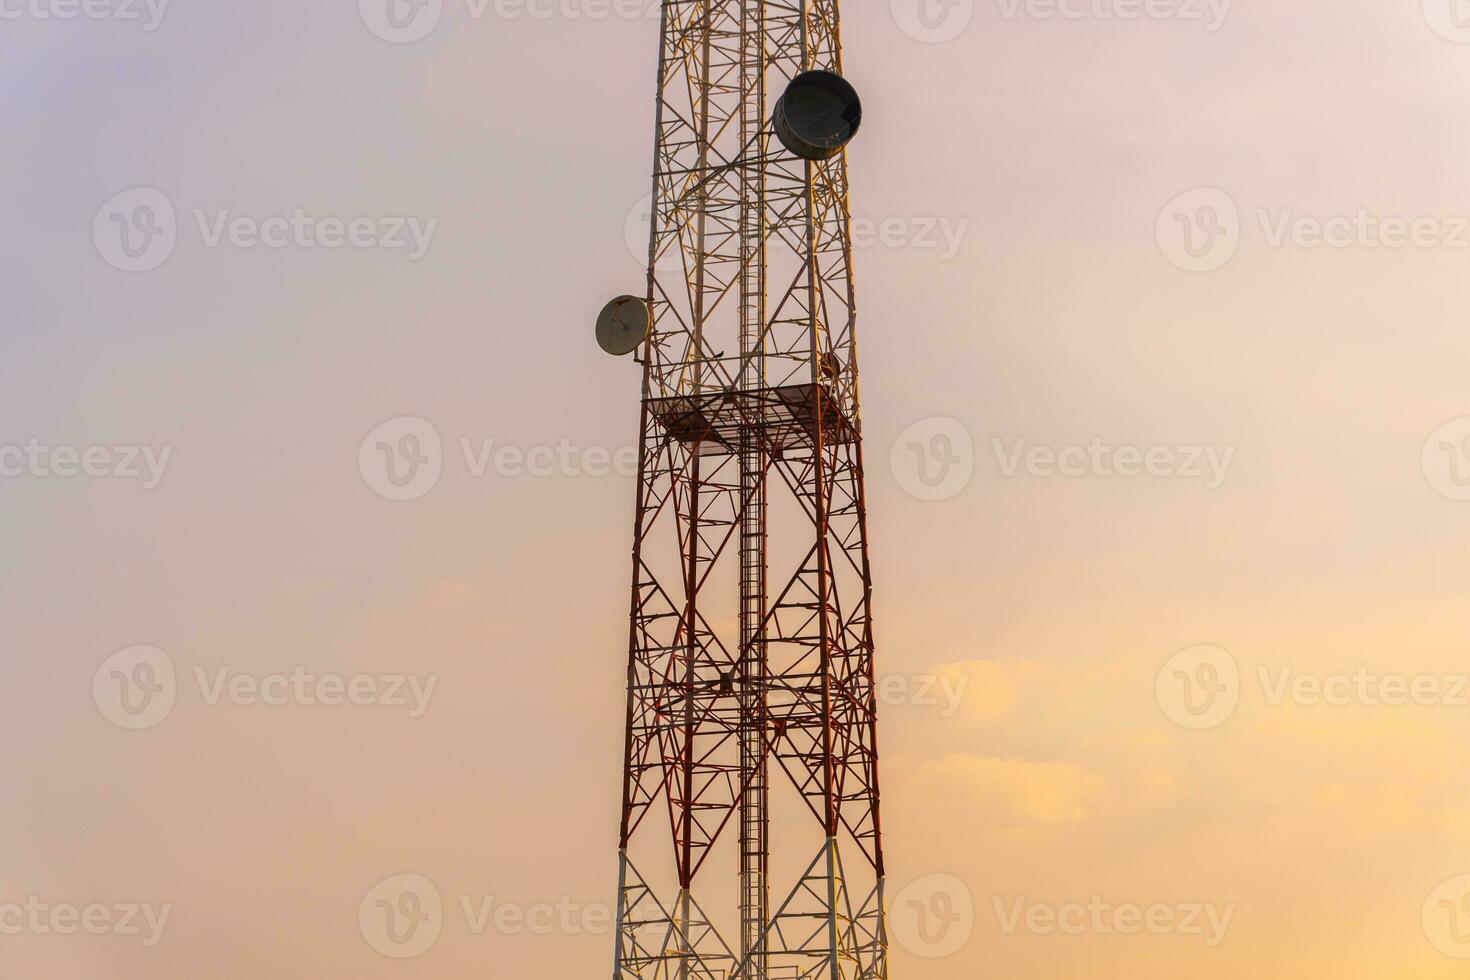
x=750, y=844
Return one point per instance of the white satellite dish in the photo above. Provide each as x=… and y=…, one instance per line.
x=623, y=325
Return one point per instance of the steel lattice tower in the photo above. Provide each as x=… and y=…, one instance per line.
x=751, y=698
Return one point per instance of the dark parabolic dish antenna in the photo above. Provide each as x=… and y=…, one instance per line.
x=818, y=115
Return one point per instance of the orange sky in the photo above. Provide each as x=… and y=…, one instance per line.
x=1020, y=286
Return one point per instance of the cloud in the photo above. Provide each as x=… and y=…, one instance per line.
x=1015, y=793
x=986, y=689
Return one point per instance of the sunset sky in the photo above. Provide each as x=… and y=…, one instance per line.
x=1083, y=238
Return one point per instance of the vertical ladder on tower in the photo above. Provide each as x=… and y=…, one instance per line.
x=754, y=818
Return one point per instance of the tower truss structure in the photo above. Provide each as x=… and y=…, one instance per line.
x=750, y=843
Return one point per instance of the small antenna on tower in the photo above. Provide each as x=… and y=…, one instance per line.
x=623, y=325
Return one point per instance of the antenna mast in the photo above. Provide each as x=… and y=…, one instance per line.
x=751, y=726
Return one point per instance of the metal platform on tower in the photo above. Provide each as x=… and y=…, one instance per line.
x=782, y=419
